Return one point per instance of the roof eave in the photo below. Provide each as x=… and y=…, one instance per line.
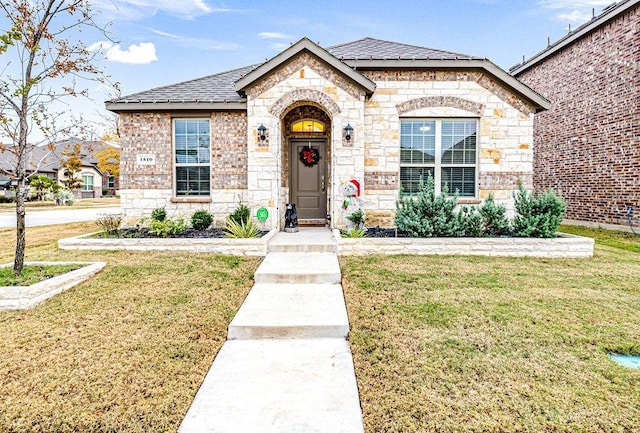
x=539, y=102
x=304, y=44
x=118, y=107
x=579, y=33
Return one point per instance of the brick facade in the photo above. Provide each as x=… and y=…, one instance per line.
x=145, y=133
x=229, y=150
x=587, y=146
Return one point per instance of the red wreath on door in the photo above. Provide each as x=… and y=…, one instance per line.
x=309, y=156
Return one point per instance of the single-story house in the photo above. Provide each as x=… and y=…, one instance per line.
x=47, y=161
x=297, y=128
x=587, y=145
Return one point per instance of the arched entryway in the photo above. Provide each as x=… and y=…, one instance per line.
x=306, y=128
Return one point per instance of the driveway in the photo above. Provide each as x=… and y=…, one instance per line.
x=50, y=217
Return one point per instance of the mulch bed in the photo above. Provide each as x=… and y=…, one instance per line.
x=143, y=232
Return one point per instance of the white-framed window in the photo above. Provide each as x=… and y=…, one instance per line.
x=446, y=148
x=87, y=182
x=111, y=182
x=192, y=157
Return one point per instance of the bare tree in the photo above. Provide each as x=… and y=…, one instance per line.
x=42, y=40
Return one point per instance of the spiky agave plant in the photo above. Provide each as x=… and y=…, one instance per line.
x=242, y=229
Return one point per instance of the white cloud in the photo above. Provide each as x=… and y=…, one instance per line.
x=575, y=11
x=140, y=54
x=272, y=35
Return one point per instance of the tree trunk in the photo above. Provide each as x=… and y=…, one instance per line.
x=18, y=263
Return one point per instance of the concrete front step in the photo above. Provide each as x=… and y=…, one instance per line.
x=306, y=240
x=291, y=311
x=299, y=268
x=278, y=386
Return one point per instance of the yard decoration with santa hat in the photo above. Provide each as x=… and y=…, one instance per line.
x=352, y=203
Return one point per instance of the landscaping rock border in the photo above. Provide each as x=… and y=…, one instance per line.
x=21, y=297
x=236, y=247
x=563, y=246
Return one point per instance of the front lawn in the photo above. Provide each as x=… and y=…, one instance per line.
x=125, y=351
x=497, y=344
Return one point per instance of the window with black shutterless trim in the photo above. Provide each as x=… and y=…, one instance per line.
x=445, y=148
x=192, y=157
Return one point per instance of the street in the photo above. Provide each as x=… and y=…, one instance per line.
x=62, y=216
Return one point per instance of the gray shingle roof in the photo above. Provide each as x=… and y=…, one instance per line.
x=377, y=49
x=213, y=88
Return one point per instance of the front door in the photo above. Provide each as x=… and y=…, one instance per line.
x=308, y=182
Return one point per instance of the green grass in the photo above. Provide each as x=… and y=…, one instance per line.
x=32, y=274
x=475, y=344
x=125, y=351
x=452, y=344
x=617, y=239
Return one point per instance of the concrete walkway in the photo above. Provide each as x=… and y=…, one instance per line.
x=286, y=366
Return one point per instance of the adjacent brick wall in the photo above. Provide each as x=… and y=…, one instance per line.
x=229, y=150
x=587, y=146
x=146, y=133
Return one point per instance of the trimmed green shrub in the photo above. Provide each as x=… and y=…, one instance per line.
x=201, y=219
x=159, y=214
x=470, y=222
x=494, y=218
x=428, y=215
x=537, y=217
x=241, y=214
x=5, y=199
x=357, y=218
x=167, y=227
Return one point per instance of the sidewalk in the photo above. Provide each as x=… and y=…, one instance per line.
x=286, y=366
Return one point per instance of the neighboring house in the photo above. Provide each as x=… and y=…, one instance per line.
x=587, y=146
x=380, y=113
x=47, y=161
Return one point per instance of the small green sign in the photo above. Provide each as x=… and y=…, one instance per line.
x=262, y=214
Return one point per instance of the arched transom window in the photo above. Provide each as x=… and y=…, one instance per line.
x=307, y=126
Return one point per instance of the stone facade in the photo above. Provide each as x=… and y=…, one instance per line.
x=587, y=146
x=505, y=133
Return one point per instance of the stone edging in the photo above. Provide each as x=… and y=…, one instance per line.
x=21, y=297
x=236, y=247
x=564, y=246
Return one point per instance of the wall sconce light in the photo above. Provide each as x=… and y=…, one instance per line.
x=262, y=132
x=348, y=132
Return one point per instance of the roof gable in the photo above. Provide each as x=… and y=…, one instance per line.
x=302, y=45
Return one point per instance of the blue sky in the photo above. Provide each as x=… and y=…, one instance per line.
x=172, y=41
x=159, y=42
